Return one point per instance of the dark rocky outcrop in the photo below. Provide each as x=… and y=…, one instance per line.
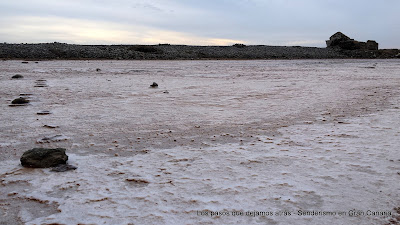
x=44, y=157
x=47, y=51
x=338, y=47
x=342, y=41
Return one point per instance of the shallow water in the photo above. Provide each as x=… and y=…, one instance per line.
x=215, y=136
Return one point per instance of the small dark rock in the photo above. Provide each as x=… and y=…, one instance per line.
x=63, y=168
x=41, y=83
x=20, y=100
x=17, y=76
x=44, y=157
x=44, y=112
x=154, y=85
x=51, y=126
x=55, y=138
x=25, y=94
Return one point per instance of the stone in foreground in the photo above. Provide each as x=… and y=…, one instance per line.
x=44, y=157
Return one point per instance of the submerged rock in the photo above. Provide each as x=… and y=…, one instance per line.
x=43, y=157
x=20, y=100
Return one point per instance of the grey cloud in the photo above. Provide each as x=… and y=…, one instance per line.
x=253, y=21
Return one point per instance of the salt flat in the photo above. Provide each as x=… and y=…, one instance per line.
x=274, y=140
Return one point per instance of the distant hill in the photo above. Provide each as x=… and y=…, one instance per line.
x=185, y=52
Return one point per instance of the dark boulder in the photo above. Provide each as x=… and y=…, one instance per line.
x=17, y=76
x=20, y=101
x=44, y=157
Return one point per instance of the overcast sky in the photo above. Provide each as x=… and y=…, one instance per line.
x=199, y=22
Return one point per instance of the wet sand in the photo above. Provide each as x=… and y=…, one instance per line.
x=215, y=136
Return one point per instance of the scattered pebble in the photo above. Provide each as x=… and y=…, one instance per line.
x=41, y=83
x=44, y=112
x=63, y=168
x=25, y=94
x=55, y=138
x=51, y=126
x=154, y=85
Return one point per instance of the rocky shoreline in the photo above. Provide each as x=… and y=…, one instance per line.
x=46, y=51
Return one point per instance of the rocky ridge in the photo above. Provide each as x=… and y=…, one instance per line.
x=339, y=46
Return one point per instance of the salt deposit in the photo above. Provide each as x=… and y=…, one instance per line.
x=232, y=142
